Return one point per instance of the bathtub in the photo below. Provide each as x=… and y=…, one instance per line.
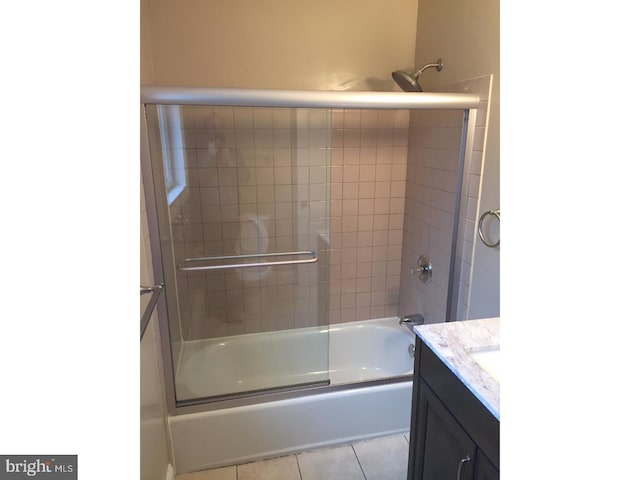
x=358, y=403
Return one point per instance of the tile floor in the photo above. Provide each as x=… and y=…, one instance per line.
x=382, y=458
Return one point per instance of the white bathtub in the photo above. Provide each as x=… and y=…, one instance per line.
x=358, y=352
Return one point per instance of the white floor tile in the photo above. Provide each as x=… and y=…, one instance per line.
x=283, y=468
x=384, y=458
x=330, y=463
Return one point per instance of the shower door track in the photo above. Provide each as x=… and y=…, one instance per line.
x=221, y=402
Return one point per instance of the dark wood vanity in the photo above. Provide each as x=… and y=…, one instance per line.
x=453, y=434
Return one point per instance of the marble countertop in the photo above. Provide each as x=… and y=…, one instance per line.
x=453, y=341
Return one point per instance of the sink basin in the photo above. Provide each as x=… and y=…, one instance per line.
x=489, y=359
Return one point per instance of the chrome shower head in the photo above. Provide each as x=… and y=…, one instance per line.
x=409, y=81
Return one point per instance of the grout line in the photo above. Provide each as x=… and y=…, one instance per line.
x=298, y=464
x=364, y=475
x=352, y=448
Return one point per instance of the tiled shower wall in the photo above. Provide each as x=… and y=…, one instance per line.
x=282, y=166
x=434, y=148
x=368, y=171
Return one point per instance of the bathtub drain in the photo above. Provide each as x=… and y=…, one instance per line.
x=412, y=350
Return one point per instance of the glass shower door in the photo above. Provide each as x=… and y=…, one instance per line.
x=244, y=196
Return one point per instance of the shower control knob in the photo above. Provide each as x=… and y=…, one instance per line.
x=423, y=268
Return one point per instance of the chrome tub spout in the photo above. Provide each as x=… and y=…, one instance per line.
x=410, y=320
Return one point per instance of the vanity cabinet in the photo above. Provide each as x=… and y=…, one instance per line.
x=453, y=435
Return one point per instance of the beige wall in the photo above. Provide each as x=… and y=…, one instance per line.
x=146, y=52
x=154, y=453
x=286, y=44
x=466, y=34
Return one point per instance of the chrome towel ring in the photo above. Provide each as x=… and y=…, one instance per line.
x=495, y=213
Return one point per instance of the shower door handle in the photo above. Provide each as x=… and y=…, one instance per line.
x=155, y=290
x=185, y=267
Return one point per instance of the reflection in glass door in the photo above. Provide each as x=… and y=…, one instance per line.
x=246, y=196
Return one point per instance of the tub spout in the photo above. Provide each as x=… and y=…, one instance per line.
x=411, y=320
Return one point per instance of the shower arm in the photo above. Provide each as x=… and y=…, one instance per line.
x=439, y=64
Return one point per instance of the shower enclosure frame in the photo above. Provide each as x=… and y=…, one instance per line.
x=150, y=95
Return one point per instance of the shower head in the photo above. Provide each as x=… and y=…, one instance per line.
x=409, y=81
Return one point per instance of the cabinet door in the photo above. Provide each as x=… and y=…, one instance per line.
x=447, y=451
x=485, y=469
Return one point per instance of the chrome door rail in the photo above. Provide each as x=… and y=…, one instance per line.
x=240, y=97
x=185, y=267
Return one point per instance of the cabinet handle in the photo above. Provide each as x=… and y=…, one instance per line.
x=461, y=466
